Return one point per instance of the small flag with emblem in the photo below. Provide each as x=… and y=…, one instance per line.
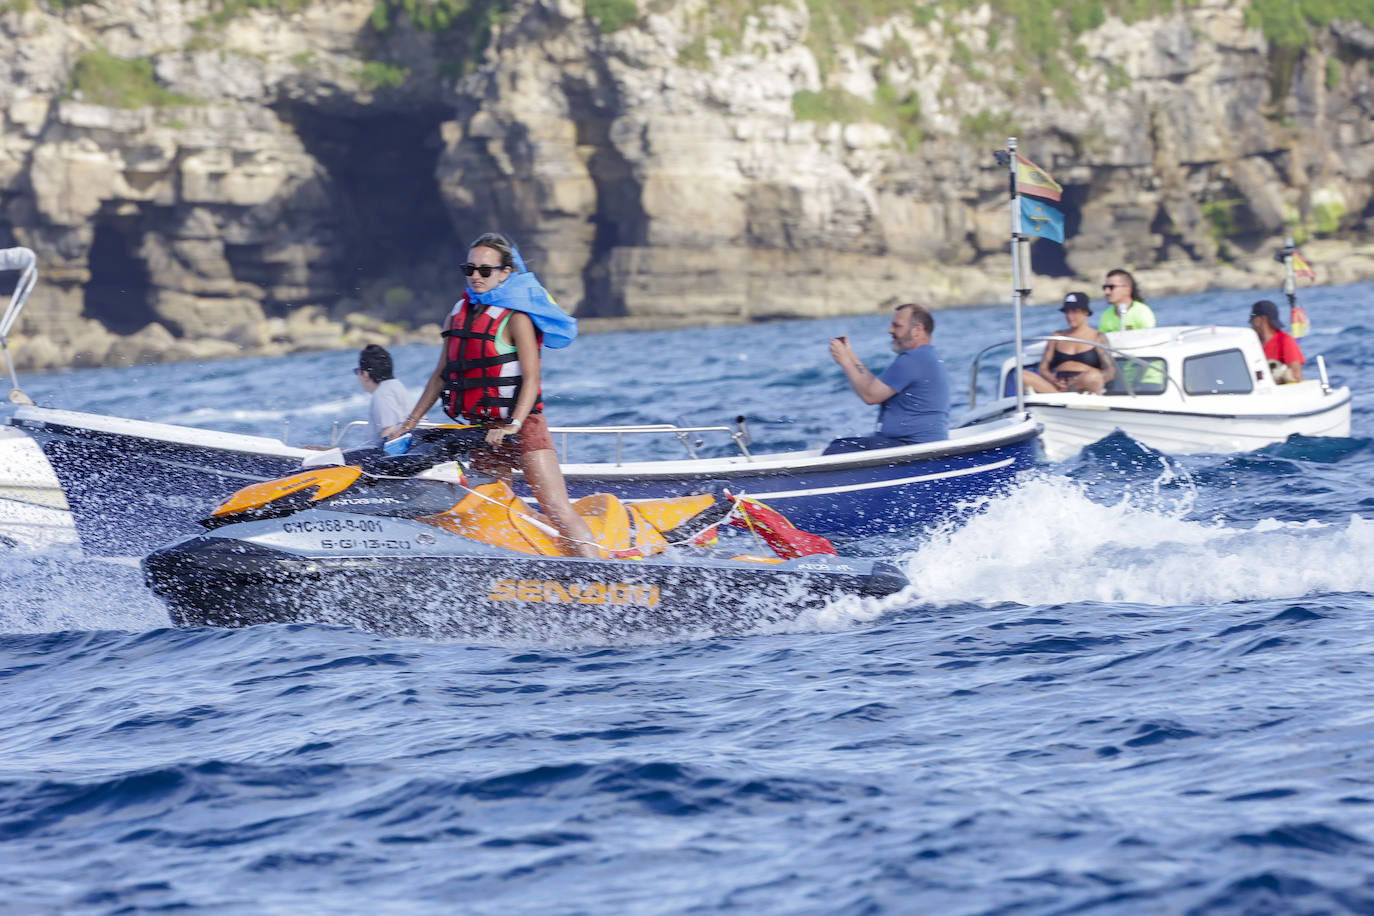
x=1033, y=180
x=1040, y=219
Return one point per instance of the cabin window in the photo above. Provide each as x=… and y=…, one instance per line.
x=1225, y=372
x=1149, y=378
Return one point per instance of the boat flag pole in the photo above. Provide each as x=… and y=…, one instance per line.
x=1019, y=245
x=1297, y=315
x=1290, y=280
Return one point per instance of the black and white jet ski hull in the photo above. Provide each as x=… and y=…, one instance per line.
x=399, y=577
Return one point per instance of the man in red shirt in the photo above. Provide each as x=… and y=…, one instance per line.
x=1285, y=358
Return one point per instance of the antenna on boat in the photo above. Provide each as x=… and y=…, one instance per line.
x=1294, y=265
x=25, y=261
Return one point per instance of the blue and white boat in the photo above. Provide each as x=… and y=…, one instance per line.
x=133, y=485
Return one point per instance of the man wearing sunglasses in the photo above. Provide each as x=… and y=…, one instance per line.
x=913, y=390
x=1126, y=308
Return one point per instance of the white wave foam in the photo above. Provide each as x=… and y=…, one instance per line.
x=29, y=526
x=52, y=590
x=1048, y=543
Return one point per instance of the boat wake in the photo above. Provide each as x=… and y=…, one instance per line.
x=1048, y=542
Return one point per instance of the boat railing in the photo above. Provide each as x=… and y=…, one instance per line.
x=26, y=262
x=338, y=433
x=1144, y=365
x=687, y=435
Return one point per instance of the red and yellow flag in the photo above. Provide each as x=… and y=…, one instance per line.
x=1298, y=324
x=1033, y=180
x=1301, y=268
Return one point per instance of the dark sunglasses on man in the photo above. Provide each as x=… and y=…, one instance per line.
x=483, y=269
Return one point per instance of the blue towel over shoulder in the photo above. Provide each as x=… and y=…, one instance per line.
x=523, y=292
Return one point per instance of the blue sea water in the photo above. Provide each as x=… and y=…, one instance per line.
x=1135, y=683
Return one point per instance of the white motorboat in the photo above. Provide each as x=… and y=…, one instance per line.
x=1179, y=390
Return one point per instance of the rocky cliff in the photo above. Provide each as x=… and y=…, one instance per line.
x=212, y=177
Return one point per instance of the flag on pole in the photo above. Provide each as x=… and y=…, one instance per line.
x=1298, y=324
x=1033, y=180
x=1039, y=218
x=1301, y=268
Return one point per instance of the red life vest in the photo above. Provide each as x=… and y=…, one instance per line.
x=481, y=383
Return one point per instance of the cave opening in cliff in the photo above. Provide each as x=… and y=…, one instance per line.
x=120, y=291
x=397, y=247
x=619, y=220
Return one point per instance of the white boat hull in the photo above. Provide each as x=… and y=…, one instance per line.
x=1074, y=421
x=33, y=510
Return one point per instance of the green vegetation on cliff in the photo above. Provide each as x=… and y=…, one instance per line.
x=222, y=11
x=1287, y=27
x=103, y=79
x=1287, y=23
x=1034, y=39
x=611, y=15
x=375, y=74
x=902, y=115
x=465, y=24
x=441, y=15
x=1037, y=40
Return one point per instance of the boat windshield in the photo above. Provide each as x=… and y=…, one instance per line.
x=1151, y=380
x=1223, y=372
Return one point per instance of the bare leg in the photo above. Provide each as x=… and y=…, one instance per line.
x=1090, y=380
x=546, y=480
x=1037, y=382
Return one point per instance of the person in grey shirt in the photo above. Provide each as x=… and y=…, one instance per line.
x=390, y=400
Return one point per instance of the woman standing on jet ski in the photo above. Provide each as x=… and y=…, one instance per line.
x=488, y=374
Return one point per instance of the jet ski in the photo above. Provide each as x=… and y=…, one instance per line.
x=414, y=544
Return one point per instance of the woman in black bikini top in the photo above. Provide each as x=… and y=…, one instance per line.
x=1088, y=370
x=1088, y=357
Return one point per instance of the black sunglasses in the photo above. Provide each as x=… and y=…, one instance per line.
x=483, y=269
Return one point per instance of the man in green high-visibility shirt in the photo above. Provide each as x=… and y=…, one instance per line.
x=1123, y=295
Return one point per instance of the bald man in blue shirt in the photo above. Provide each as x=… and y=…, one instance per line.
x=913, y=390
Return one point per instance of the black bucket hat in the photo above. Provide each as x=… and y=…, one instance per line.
x=1076, y=301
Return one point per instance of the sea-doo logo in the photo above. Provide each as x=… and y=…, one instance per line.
x=826, y=567
x=365, y=501
x=551, y=591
